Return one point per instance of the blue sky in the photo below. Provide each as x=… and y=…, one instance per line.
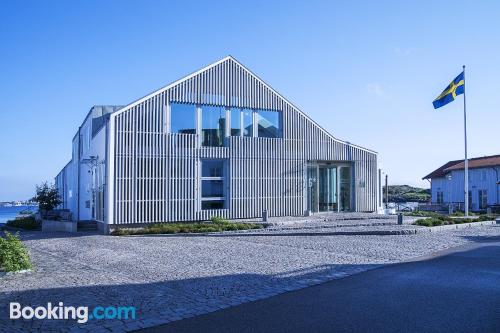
x=367, y=71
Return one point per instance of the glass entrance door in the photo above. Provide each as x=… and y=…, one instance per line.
x=345, y=189
x=327, y=188
x=312, y=188
x=322, y=185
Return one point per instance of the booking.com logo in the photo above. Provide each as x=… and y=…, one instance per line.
x=81, y=313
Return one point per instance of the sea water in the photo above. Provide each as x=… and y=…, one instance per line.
x=9, y=213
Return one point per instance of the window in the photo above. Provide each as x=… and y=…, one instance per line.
x=235, y=122
x=269, y=124
x=213, y=124
x=212, y=204
x=247, y=122
x=483, y=198
x=182, y=118
x=439, y=195
x=213, y=184
x=212, y=168
x=470, y=198
x=211, y=188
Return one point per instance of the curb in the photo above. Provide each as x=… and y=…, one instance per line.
x=412, y=231
x=458, y=226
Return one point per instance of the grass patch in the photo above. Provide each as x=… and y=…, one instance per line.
x=444, y=220
x=27, y=223
x=13, y=254
x=217, y=224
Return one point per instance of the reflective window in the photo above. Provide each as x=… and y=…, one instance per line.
x=235, y=122
x=213, y=184
x=247, y=122
x=212, y=188
x=182, y=118
x=213, y=124
x=212, y=204
x=212, y=168
x=269, y=124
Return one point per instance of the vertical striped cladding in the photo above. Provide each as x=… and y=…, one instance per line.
x=157, y=175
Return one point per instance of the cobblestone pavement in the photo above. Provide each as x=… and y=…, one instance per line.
x=170, y=278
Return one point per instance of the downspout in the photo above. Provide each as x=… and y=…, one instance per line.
x=430, y=184
x=78, y=177
x=497, y=183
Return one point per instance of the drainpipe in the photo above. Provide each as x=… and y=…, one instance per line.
x=78, y=177
x=497, y=183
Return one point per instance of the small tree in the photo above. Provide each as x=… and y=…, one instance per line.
x=47, y=197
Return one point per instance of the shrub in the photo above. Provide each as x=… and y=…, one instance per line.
x=486, y=218
x=219, y=220
x=218, y=225
x=429, y=222
x=47, y=197
x=27, y=223
x=13, y=255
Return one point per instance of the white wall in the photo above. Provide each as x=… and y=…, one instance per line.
x=89, y=147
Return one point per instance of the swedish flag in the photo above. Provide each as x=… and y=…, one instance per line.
x=456, y=87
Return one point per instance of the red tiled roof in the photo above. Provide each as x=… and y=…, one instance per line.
x=439, y=172
x=478, y=162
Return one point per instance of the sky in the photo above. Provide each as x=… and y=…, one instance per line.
x=367, y=71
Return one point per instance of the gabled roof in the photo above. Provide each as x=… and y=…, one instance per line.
x=480, y=162
x=232, y=59
x=440, y=172
x=474, y=163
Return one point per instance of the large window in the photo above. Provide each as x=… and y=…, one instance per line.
x=182, y=118
x=212, y=184
x=247, y=122
x=213, y=124
x=235, y=122
x=269, y=124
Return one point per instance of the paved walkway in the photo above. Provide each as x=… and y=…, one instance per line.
x=170, y=278
x=457, y=292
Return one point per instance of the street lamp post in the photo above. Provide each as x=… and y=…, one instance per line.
x=450, y=206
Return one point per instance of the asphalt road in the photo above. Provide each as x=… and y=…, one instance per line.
x=456, y=291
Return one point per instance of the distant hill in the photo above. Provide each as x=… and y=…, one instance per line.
x=406, y=193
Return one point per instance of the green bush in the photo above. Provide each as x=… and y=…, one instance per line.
x=13, y=255
x=219, y=220
x=429, y=222
x=218, y=225
x=486, y=218
x=27, y=223
x=439, y=219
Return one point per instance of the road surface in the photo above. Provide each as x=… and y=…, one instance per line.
x=456, y=291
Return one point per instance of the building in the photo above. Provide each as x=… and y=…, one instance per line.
x=447, y=183
x=217, y=142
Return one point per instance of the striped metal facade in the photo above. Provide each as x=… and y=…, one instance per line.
x=155, y=175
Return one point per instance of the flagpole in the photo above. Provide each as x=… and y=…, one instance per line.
x=466, y=162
